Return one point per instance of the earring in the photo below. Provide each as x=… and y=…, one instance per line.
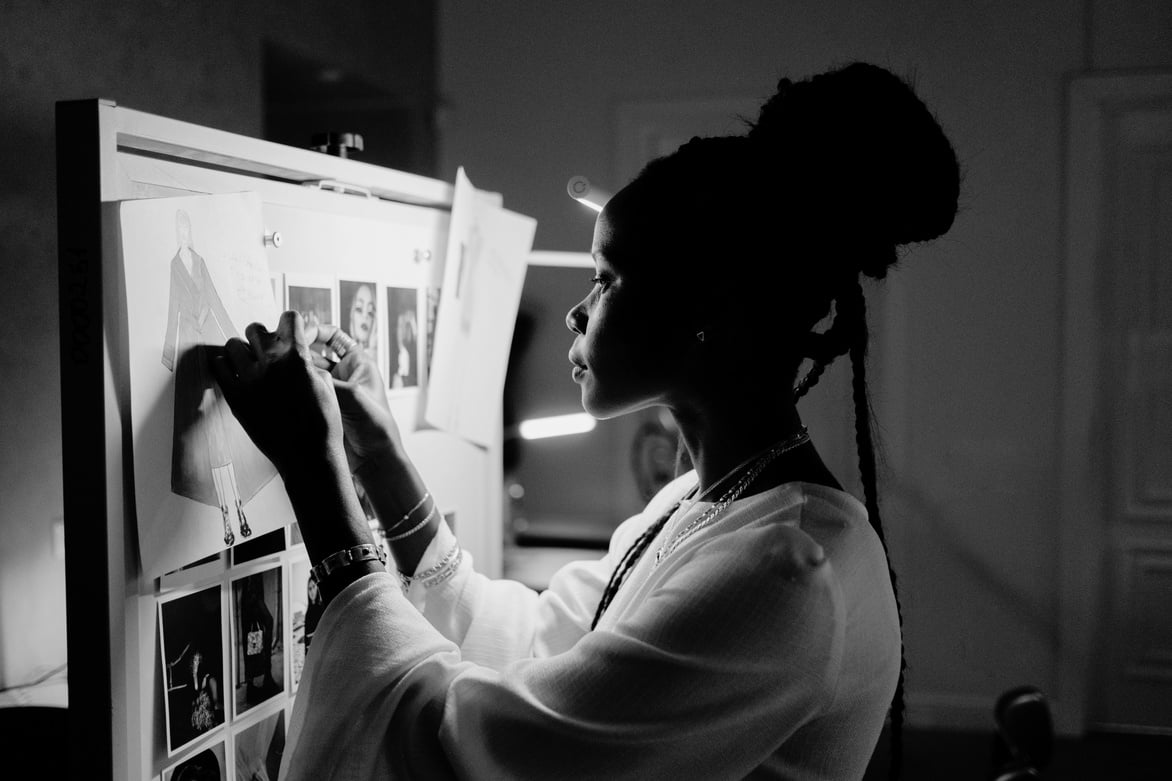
x=700, y=335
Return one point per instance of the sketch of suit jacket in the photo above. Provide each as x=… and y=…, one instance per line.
x=206, y=434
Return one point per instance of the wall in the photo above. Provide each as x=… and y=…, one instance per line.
x=199, y=62
x=968, y=386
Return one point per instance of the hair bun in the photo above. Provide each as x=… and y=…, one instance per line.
x=859, y=141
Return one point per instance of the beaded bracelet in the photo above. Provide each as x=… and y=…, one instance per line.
x=414, y=528
x=367, y=551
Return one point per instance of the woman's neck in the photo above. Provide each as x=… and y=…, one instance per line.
x=719, y=437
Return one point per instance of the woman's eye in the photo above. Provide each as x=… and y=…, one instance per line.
x=600, y=281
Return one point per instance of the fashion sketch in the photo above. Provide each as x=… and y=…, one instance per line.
x=212, y=460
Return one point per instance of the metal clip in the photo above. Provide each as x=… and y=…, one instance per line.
x=340, y=187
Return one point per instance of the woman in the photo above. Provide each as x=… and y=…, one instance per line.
x=362, y=317
x=744, y=624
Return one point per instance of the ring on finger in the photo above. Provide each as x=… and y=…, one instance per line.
x=341, y=343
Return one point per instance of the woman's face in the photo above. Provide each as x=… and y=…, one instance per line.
x=633, y=339
x=362, y=315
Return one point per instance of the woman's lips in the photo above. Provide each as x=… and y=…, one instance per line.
x=578, y=370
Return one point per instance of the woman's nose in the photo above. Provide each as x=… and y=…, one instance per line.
x=576, y=319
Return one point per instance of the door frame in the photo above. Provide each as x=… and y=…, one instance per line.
x=1083, y=510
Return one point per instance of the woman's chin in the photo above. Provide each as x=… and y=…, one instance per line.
x=601, y=408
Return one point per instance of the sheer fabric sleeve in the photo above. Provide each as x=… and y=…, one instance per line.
x=708, y=676
x=495, y=622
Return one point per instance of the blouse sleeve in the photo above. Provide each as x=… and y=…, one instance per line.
x=709, y=675
x=495, y=622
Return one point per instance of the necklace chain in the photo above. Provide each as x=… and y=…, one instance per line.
x=709, y=516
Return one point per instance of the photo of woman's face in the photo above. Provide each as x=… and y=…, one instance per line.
x=362, y=316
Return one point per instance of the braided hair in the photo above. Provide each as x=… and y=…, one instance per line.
x=858, y=167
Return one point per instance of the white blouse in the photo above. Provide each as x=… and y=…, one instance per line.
x=766, y=645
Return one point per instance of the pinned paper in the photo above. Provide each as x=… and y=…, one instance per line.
x=196, y=275
x=483, y=272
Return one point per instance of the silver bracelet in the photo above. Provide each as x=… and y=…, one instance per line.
x=367, y=551
x=410, y=512
x=433, y=576
x=414, y=528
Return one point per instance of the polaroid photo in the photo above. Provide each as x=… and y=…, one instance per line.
x=305, y=609
x=265, y=545
x=192, y=640
x=403, y=342
x=313, y=296
x=258, y=639
x=207, y=765
x=358, y=303
x=259, y=747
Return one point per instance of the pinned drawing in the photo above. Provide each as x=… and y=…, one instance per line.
x=483, y=271
x=212, y=461
x=196, y=275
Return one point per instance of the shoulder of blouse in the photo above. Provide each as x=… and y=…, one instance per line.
x=787, y=529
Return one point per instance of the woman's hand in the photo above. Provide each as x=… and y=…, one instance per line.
x=285, y=403
x=370, y=430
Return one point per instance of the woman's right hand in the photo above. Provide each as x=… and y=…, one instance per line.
x=370, y=430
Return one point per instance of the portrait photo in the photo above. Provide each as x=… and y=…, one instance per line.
x=207, y=765
x=305, y=608
x=358, y=302
x=402, y=337
x=191, y=637
x=258, y=654
x=259, y=748
x=311, y=295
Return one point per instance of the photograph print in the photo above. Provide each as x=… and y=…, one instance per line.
x=402, y=337
x=258, y=658
x=192, y=644
x=305, y=608
x=359, y=308
x=312, y=296
x=207, y=765
x=259, y=748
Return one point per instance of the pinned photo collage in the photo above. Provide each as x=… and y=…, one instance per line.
x=387, y=321
x=232, y=645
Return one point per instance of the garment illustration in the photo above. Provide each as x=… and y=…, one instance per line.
x=212, y=460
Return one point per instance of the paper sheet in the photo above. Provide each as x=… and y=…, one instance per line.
x=483, y=272
x=196, y=275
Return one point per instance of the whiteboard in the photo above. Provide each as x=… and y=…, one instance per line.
x=106, y=155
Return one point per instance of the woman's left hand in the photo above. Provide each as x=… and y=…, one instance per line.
x=285, y=404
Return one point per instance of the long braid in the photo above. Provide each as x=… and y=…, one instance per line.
x=633, y=554
x=867, y=471
x=810, y=379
